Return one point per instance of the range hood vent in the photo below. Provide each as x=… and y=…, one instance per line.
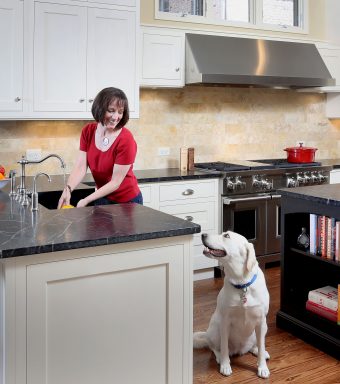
x=252, y=62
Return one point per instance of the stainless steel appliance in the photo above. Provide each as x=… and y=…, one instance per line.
x=250, y=202
x=246, y=61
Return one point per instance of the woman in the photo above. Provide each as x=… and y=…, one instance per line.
x=109, y=150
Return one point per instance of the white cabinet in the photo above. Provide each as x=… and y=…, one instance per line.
x=11, y=48
x=333, y=105
x=60, y=58
x=73, y=49
x=88, y=315
x=162, y=58
x=77, y=52
x=334, y=177
x=331, y=57
x=193, y=200
x=112, y=53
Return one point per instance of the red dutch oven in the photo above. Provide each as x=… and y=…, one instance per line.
x=300, y=154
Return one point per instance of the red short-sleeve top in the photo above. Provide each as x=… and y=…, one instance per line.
x=123, y=151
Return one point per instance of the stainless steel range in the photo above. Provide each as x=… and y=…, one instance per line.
x=250, y=203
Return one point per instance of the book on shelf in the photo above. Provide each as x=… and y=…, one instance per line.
x=326, y=296
x=337, y=241
x=322, y=311
x=313, y=236
x=324, y=234
x=330, y=236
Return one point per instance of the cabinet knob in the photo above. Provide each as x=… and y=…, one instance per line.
x=177, y=69
x=17, y=99
x=188, y=192
x=90, y=100
x=81, y=100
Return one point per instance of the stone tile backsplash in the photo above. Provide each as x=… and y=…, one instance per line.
x=221, y=123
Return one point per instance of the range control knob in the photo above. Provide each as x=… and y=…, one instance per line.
x=307, y=177
x=314, y=177
x=291, y=182
x=300, y=179
x=323, y=178
x=231, y=186
x=239, y=183
x=266, y=184
x=257, y=181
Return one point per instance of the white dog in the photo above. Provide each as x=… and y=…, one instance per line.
x=238, y=324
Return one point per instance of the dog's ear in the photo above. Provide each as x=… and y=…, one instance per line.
x=251, y=258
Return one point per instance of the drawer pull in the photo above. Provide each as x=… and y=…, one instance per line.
x=188, y=218
x=188, y=192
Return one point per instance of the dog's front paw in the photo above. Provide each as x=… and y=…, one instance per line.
x=263, y=372
x=225, y=369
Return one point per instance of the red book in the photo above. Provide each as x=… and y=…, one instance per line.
x=337, y=242
x=322, y=311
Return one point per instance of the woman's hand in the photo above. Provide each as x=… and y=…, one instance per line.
x=64, y=198
x=82, y=203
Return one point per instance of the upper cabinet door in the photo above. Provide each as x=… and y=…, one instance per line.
x=60, y=33
x=11, y=48
x=112, y=53
x=162, y=59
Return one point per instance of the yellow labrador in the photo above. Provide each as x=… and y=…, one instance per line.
x=238, y=324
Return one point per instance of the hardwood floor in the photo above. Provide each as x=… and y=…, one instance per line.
x=291, y=359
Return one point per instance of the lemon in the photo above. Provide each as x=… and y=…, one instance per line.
x=67, y=206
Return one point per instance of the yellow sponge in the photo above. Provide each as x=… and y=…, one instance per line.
x=67, y=206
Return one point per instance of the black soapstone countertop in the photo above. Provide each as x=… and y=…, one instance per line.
x=326, y=194
x=25, y=233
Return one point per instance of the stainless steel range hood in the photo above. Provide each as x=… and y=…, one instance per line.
x=251, y=62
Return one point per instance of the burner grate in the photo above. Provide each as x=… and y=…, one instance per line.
x=283, y=163
x=221, y=166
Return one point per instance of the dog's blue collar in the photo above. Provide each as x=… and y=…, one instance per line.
x=243, y=286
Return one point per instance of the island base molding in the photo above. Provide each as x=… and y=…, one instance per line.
x=111, y=314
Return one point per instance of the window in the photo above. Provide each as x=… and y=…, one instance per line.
x=289, y=15
x=281, y=12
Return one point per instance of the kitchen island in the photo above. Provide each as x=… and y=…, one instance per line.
x=95, y=295
x=302, y=270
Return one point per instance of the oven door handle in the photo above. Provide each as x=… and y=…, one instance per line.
x=276, y=196
x=228, y=201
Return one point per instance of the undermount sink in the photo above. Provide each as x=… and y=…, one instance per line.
x=50, y=199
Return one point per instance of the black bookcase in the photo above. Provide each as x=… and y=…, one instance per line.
x=302, y=271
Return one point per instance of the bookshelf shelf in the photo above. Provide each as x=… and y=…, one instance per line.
x=302, y=271
x=316, y=257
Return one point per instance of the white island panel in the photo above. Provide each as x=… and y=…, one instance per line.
x=113, y=314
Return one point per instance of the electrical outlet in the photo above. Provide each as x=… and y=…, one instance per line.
x=299, y=142
x=163, y=151
x=33, y=154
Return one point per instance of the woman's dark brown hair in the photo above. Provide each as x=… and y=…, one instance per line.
x=102, y=101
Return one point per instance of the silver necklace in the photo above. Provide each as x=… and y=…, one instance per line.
x=106, y=141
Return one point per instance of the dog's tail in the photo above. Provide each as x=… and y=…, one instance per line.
x=200, y=340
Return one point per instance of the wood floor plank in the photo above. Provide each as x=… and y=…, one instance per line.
x=291, y=359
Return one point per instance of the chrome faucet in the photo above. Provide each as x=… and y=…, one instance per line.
x=35, y=193
x=22, y=190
